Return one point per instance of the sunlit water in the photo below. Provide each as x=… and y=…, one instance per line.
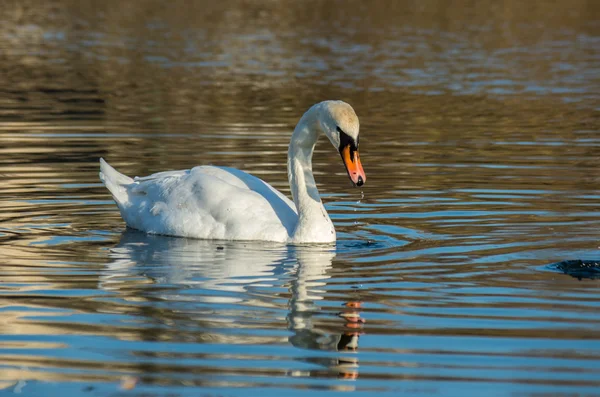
x=480, y=140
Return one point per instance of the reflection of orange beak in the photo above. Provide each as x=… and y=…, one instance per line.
x=353, y=166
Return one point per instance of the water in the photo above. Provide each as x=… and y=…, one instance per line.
x=479, y=137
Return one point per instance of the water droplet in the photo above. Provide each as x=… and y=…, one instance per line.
x=362, y=196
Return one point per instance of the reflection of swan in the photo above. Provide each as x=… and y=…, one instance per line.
x=223, y=267
x=237, y=273
x=306, y=291
x=228, y=204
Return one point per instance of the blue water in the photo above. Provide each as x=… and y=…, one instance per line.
x=480, y=140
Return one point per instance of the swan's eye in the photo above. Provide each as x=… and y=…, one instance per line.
x=347, y=140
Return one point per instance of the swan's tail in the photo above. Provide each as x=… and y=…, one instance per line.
x=115, y=182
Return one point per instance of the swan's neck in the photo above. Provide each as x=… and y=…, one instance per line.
x=313, y=224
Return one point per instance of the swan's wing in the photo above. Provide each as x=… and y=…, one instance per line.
x=160, y=175
x=243, y=180
x=207, y=202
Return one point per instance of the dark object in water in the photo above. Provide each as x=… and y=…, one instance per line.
x=579, y=268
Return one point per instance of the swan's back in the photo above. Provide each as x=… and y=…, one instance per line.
x=205, y=202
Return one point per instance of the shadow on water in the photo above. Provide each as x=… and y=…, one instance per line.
x=579, y=268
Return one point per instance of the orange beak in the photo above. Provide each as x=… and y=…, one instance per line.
x=353, y=166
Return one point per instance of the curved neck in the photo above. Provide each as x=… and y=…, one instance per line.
x=313, y=222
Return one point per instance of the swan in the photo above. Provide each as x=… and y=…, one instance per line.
x=210, y=202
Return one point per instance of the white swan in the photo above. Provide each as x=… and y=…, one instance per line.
x=209, y=202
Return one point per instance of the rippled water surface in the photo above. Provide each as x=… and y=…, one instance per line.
x=479, y=135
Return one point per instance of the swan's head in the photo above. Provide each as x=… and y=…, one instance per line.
x=340, y=123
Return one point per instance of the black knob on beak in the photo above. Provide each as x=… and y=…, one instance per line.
x=360, y=181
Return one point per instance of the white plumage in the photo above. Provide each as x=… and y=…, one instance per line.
x=209, y=202
x=205, y=202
